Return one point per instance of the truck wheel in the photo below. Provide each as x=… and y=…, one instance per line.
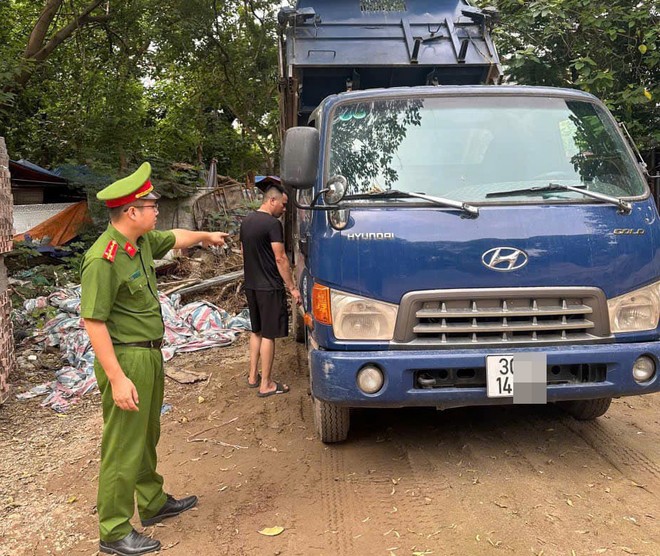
x=297, y=324
x=332, y=421
x=586, y=410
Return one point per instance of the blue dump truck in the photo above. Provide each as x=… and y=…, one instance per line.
x=449, y=230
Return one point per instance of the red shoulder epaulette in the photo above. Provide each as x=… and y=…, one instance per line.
x=111, y=251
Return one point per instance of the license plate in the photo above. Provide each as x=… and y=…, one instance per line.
x=531, y=381
x=499, y=376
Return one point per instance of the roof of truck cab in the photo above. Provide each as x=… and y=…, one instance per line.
x=455, y=90
x=451, y=91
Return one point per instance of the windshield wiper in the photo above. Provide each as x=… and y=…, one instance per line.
x=539, y=189
x=624, y=206
x=394, y=193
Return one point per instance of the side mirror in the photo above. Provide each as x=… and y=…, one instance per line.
x=300, y=157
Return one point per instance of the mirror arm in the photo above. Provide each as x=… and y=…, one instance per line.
x=312, y=206
x=316, y=198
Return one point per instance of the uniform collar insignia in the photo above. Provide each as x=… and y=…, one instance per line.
x=130, y=249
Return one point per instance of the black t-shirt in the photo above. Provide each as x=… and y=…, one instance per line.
x=258, y=230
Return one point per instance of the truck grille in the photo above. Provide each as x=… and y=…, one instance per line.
x=516, y=316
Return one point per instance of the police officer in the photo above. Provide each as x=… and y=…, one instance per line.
x=122, y=316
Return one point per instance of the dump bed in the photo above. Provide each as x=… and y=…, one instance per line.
x=330, y=46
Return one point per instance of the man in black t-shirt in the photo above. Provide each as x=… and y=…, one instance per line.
x=267, y=273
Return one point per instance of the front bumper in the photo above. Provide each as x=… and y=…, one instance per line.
x=333, y=375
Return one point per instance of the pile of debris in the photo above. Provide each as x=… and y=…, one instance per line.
x=191, y=327
x=46, y=318
x=46, y=297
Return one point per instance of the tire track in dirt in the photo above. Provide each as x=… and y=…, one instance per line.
x=628, y=461
x=428, y=480
x=420, y=495
x=367, y=491
x=573, y=458
x=395, y=497
x=336, y=498
x=337, y=501
x=494, y=464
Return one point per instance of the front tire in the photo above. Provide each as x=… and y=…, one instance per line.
x=586, y=410
x=332, y=421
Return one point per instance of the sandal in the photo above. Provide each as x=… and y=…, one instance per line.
x=279, y=389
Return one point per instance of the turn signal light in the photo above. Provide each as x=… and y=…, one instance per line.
x=321, y=304
x=309, y=321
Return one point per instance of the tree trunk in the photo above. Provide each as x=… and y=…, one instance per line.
x=40, y=30
x=39, y=48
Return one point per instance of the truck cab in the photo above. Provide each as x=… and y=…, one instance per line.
x=449, y=230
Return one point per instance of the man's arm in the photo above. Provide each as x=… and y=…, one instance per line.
x=124, y=392
x=188, y=238
x=284, y=269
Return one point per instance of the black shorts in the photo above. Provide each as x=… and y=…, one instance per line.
x=269, y=314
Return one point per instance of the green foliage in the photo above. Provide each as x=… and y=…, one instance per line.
x=219, y=221
x=76, y=251
x=22, y=254
x=610, y=48
x=145, y=79
x=229, y=221
x=175, y=180
x=25, y=262
x=218, y=61
x=192, y=80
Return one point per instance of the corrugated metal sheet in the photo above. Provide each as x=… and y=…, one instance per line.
x=27, y=217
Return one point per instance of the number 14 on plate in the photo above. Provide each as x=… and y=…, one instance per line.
x=499, y=375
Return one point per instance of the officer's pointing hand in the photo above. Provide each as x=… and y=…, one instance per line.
x=125, y=394
x=215, y=238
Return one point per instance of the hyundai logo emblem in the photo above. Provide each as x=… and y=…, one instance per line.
x=504, y=259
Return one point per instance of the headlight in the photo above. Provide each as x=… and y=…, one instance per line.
x=635, y=311
x=359, y=318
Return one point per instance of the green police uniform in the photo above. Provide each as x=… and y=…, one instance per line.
x=119, y=288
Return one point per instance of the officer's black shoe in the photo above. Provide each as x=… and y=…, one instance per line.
x=171, y=508
x=131, y=545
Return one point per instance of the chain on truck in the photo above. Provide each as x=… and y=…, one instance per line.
x=457, y=242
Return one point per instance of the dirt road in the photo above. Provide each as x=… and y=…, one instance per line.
x=505, y=480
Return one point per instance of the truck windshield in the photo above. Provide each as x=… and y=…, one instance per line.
x=471, y=148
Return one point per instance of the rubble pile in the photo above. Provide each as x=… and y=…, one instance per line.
x=190, y=327
x=55, y=356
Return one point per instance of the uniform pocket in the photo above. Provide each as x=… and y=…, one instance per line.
x=139, y=290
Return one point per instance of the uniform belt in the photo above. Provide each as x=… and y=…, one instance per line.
x=153, y=344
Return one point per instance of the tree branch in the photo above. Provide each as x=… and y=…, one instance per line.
x=65, y=32
x=98, y=18
x=36, y=51
x=40, y=29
